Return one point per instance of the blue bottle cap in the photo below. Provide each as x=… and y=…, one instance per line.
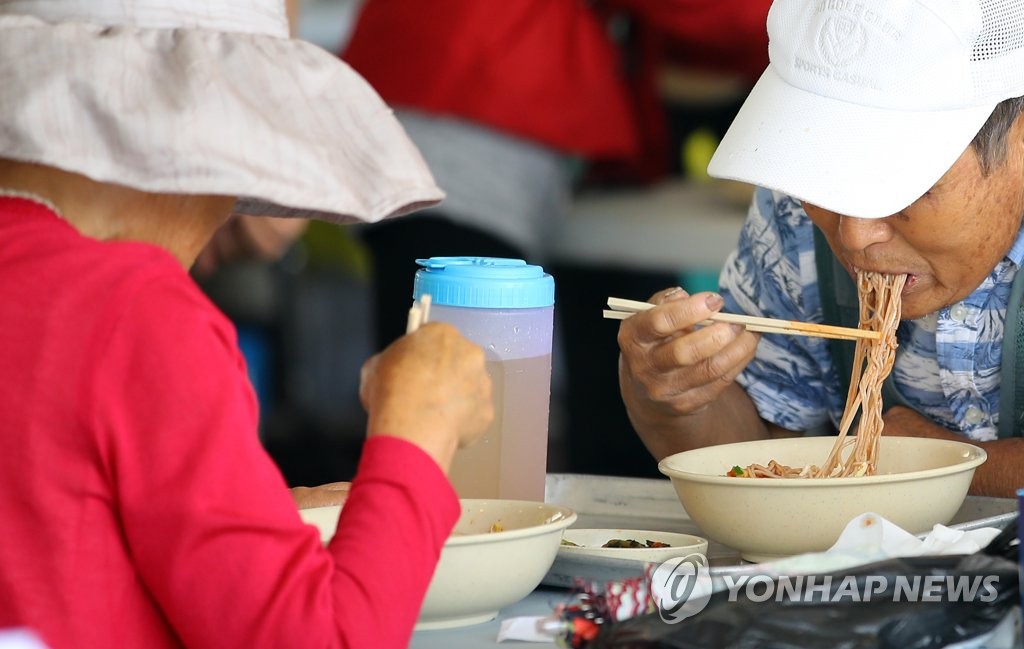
x=484, y=282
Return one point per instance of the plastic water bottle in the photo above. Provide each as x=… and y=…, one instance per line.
x=507, y=307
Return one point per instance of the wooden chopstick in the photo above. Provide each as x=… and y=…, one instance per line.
x=622, y=315
x=622, y=309
x=419, y=312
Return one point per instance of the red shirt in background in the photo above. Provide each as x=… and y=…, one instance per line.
x=137, y=504
x=547, y=70
x=540, y=69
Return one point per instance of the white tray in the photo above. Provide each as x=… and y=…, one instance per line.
x=651, y=504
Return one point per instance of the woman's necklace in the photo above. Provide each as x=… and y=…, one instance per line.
x=29, y=196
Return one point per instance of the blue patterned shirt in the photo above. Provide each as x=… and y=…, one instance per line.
x=947, y=364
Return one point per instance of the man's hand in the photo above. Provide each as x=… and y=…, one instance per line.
x=675, y=366
x=677, y=379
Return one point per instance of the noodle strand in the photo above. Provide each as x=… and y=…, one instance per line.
x=857, y=455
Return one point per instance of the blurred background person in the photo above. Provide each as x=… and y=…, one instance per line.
x=513, y=105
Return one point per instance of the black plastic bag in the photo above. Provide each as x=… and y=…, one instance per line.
x=836, y=622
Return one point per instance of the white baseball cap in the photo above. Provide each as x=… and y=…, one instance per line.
x=202, y=97
x=867, y=103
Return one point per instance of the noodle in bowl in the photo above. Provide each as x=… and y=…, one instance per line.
x=919, y=483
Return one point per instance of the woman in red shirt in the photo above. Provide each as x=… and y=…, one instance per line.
x=139, y=508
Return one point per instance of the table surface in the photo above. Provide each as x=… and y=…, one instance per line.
x=540, y=602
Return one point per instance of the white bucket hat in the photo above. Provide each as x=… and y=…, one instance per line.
x=202, y=97
x=866, y=104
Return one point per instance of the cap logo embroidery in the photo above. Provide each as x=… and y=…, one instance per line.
x=841, y=40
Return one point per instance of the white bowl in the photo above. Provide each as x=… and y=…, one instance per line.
x=920, y=483
x=482, y=571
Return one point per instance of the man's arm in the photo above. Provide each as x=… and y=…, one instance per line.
x=1001, y=475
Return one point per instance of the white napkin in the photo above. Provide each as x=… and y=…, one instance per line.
x=870, y=537
x=529, y=629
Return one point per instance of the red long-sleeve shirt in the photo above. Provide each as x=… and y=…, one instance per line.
x=137, y=505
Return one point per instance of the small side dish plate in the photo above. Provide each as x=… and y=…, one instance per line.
x=590, y=561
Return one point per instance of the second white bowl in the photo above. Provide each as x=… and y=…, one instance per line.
x=920, y=483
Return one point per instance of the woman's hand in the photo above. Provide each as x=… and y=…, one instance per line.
x=332, y=493
x=431, y=388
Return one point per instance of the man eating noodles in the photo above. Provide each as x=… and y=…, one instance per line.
x=884, y=137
